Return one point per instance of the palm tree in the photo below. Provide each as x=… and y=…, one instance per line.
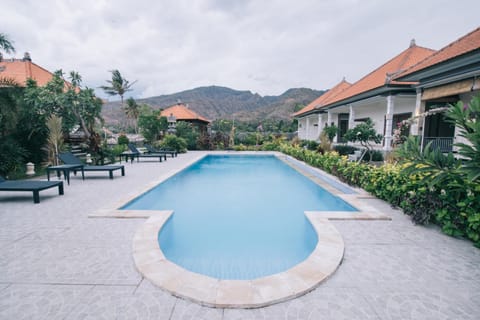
x=75, y=79
x=8, y=105
x=132, y=110
x=5, y=44
x=118, y=85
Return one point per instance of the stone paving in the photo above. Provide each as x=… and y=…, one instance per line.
x=56, y=263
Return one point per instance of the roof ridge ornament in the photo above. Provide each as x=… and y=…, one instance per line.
x=389, y=76
x=27, y=57
x=412, y=43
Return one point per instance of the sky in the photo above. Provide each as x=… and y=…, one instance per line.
x=266, y=47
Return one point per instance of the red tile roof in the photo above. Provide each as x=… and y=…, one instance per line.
x=182, y=112
x=465, y=44
x=20, y=70
x=382, y=75
x=324, y=98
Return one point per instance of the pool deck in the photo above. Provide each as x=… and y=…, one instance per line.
x=59, y=263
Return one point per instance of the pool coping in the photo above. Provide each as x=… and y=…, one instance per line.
x=302, y=278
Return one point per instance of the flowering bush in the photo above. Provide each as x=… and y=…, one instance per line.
x=399, y=133
x=456, y=209
x=365, y=134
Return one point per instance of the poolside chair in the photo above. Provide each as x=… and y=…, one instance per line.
x=134, y=152
x=30, y=185
x=151, y=149
x=357, y=155
x=70, y=158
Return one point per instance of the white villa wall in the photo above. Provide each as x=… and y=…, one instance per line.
x=309, y=127
x=334, y=120
x=312, y=127
x=378, y=110
x=375, y=109
x=302, y=124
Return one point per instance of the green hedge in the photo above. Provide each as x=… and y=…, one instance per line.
x=456, y=210
x=344, y=149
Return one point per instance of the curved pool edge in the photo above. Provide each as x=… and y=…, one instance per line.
x=292, y=283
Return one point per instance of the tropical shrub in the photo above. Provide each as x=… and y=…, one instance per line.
x=365, y=134
x=54, y=140
x=189, y=133
x=344, y=149
x=455, y=206
x=325, y=143
x=374, y=155
x=421, y=204
x=466, y=118
x=330, y=131
x=218, y=140
x=151, y=123
x=123, y=139
x=171, y=141
x=309, y=144
x=459, y=213
x=240, y=147
x=270, y=146
x=457, y=179
x=427, y=184
x=111, y=154
x=12, y=157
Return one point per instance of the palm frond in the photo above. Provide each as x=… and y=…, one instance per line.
x=6, y=44
x=8, y=82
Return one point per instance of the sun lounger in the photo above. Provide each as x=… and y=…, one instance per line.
x=70, y=158
x=30, y=185
x=170, y=152
x=135, y=153
x=65, y=169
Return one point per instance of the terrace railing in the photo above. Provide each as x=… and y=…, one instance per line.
x=444, y=144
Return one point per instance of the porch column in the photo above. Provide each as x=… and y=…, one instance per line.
x=351, y=118
x=329, y=122
x=319, y=126
x=416, y=126
x=388, y=123
x=307, y=129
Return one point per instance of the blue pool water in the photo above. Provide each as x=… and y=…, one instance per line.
x=238, y=217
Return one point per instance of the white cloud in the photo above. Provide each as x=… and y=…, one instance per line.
x=263, y=46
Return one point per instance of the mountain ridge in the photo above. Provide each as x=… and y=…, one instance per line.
x=217, y=102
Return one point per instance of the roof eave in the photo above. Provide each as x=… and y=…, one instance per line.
x=469, y=60
x=310, y=112
x=381, y=91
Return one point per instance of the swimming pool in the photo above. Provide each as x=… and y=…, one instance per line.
x=238, y=217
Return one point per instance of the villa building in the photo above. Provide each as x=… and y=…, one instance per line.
x=415, y=81
x=310, y=121
x=449, y=75
x=377, y=96
x=20, y=70
x=180, y=112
